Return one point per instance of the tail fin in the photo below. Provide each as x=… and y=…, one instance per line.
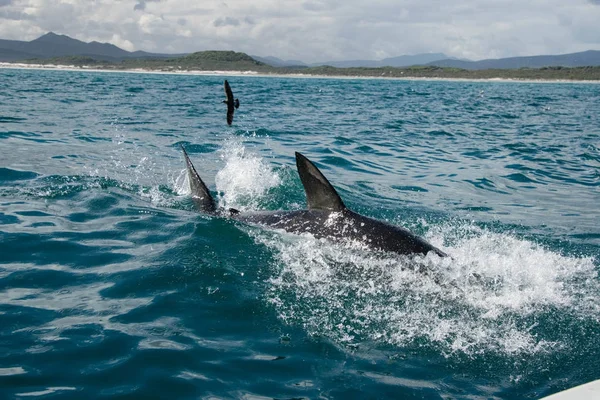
x=200, y=193
x=320, y=195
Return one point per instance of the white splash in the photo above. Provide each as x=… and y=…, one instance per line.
x=487, y=298
x=244, y=178
x=181, y=184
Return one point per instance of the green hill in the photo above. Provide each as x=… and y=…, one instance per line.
x=202, y=61
x=218, y=56
x=234, y=61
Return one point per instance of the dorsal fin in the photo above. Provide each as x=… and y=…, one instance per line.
x=320, y=195
x=200, y=193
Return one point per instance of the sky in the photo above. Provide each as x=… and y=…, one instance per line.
x=317, y=30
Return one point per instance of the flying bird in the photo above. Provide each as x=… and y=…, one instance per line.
x=231, y=103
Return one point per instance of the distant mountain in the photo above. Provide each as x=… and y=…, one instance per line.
x=401, y=61
x=8, y=54
x=588, y=58
x=52, y=45
x=278, y=62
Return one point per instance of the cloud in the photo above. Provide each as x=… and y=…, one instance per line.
x=141, y=4
x=316, y=30
x=6, y=13
x=227, y=21
x=318, y=6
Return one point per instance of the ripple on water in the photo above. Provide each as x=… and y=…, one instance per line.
x=111, y=285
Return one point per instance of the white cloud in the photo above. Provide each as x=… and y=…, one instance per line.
x=316, y=30
x=117, y=40
x=227, y=21
x=141, y=4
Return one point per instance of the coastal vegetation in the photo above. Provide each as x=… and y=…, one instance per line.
x=235, y=61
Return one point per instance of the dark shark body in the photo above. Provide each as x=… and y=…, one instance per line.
x=326, y=216
x=344, y=225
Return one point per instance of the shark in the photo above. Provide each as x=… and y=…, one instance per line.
x=326, y=215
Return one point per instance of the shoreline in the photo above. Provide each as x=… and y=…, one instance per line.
x=185, y=72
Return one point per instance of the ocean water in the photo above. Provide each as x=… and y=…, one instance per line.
x=113, y=286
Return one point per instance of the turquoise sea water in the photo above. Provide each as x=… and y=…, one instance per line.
x=112, y=286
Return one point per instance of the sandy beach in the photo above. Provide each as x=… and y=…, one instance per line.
x=87, y=68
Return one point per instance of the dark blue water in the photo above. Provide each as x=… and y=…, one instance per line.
x=112, y=286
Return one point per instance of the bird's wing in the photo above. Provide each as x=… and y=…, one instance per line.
x=228, y=91
x=229, y=114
